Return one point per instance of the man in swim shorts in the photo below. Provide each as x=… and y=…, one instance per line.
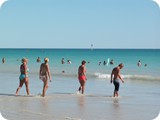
x=82, y=76
x=116, y=78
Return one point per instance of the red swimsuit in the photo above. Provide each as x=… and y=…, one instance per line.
x=82, y=78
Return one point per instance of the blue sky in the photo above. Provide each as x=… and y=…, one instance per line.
x=80, y=23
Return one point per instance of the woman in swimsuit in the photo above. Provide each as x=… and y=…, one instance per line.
x=44, y=73
x=23, y=78
x=82, y=76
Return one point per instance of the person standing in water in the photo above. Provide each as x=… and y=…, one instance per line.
x=62, y=61
x=44, y=74
x=38, y=59
x=139, y=63
x=116, y=78
x=82, y=76
x=23, y=76
x=3, y=60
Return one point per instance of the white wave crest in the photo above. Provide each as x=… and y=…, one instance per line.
x=101, y=75
x=141, y=77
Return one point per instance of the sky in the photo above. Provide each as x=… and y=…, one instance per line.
x=80, y=23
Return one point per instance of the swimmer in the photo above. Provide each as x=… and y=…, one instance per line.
x=3, y=60
x=99, y=63
x=38, y=59
x=139, y=63
x=111, y=62
x=104, y=63
x=69, y=61
x=62, y=61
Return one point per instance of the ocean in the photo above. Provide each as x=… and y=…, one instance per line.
x=129, y=57
x=139, y=95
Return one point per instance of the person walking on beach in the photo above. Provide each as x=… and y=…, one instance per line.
x=82, y=76
x=44, y=74
x=23, y=78
x=115, y=79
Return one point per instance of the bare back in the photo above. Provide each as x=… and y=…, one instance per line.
x=23, y=68
x=81, y=70
x=116, y=73
x=44, y=69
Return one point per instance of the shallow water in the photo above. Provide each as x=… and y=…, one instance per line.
x=138, y=100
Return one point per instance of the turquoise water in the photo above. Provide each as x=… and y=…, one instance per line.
x=129, y=57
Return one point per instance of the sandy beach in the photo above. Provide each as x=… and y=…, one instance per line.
x=75, y=107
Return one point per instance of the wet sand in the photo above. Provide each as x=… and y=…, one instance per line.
x=68, y=106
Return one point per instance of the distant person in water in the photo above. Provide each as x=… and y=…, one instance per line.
x=44, y=75
x=116, y=78
x=63, y=71
x=82, y=76
x=38, y=59
x=3, y=60
x=104, y=63
x=62, y=61
x=145, y=65
x=69, y=61
x=112, y=62
x=23, y=78
x=139, y=63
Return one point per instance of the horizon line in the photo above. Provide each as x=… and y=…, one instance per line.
x=81, y=48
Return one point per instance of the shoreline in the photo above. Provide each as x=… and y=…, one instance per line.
x=75, y=107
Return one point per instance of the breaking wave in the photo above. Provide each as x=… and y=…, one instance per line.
x=132, y=77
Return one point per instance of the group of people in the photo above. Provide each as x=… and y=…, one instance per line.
x=115, y=77
x=63, y=61
x=111, y=62
x=45, y=76
x=139, y=64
